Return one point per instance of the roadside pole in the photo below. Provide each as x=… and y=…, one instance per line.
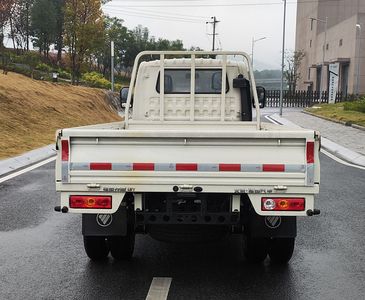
x=358, y=26
x=214, y=22
x=282, y=63
x=112, y=64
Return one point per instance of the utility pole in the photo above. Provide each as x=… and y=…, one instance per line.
x=358, y=26
x=282, y=63
x=214, y=22
x=112, y=64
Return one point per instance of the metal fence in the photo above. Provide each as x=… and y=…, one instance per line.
x=302, y=98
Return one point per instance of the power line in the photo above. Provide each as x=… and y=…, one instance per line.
x=140, y=13
x=153, y=11
x=156, y=17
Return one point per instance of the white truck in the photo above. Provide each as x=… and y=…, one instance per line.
x=191, y=162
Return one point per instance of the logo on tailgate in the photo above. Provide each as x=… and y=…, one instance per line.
x=104, y=220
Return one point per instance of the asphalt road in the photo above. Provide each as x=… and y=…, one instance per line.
x=42, y=255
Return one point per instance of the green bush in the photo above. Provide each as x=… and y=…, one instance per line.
x=63, y=74
x=44, y=67
x=95, y=79
x=355, y=106
x=117, y=87
x=18, y=59
x=32, y=59
x=26, y=71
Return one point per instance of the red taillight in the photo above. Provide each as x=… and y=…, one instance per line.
x=310, y=152
x=186, y=167
x=282, y=204
x=65, y=150
x=143, y=167
x=273, y=168
x=100, y=166
x=91, y=202
x=229, y=167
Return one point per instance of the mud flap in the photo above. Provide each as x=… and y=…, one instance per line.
x=272, y=226
x=105, y=224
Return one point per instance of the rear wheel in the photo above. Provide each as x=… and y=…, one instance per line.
x=122, y=247
x=281, y=250
x=96, y=247
x=255, y=249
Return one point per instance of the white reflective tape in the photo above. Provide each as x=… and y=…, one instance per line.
x=122, y=166
x=165, y=167
x=208, y=167
x=64, y=171
x=251, y=168
x=310, y=174
x=80, y=166
x=295, y=168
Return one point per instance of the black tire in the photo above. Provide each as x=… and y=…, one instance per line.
x=281, y=250
x=255, y=249
x=122, y=247
x=96, y=247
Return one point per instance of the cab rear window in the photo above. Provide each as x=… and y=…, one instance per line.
x=207, y=81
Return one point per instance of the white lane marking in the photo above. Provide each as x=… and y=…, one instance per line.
x=335, y=158
x=159, y=288
x=32, y=167
x=267, y=117
x=339, y=160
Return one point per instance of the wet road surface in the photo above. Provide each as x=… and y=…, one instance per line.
x=42, y=255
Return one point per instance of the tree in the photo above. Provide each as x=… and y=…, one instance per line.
x=60, y=16
x=84, y=28
x=5, y=12
x=113, y=31
x=44, y=24
x=291, y=71
x=20, y=29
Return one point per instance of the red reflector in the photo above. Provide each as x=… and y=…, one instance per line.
x=100, y=166
x=310, y=152
x=229, y=167
x=65, y=150
x=282, y=204
x=273, y=168
x=92, y=202
x=143, y=167
x=186, y=167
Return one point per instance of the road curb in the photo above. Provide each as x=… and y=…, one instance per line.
x=10, y=165
x=331, y=147
x=335, y=121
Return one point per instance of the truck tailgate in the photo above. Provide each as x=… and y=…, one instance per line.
x=224, y=161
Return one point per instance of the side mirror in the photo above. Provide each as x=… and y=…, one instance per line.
x=261, y=94
x=123, y=95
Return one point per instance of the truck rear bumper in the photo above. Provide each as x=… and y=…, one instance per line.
x=254, y=193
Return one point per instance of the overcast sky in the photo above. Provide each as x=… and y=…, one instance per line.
x=240, y=21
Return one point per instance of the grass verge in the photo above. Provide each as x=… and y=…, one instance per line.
x=31, y=111
x=338, y=113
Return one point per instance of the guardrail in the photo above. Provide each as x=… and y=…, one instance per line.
x=303, y=98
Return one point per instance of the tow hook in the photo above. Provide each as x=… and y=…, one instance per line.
x=313, y=212
x=59, y=209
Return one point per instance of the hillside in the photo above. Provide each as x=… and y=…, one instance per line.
x=31, y=111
